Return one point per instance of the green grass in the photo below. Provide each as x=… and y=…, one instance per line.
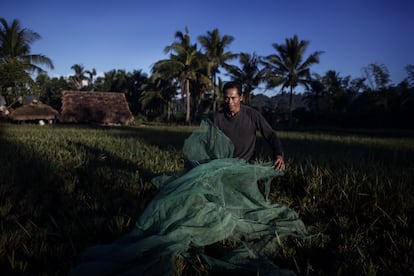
x=66, y=187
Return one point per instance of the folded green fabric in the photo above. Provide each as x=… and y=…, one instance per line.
x=216, y=199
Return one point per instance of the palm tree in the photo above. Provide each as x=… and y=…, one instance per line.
x=215, y=50
x=249, y=75
x=135, y=81
x=120, y=81
x=15, y=47
x=316, y=92
x=91, y=74
x=289, y=68
x=332, y=82
x=42, y=81
x=410, y=75
x=157, y=95
x=16, y=59
x=79, y=76
x=114, y=81
x=105, y=83
x=184, y=63
x=378, y=76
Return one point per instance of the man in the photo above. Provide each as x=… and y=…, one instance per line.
x=240, y=123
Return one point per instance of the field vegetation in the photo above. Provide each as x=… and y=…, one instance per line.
x=65, y=187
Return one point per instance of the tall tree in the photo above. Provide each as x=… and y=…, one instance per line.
x=114, y=81
x=135, y=82
x=91, y=74
x=184, y=63
x=157, y=96
x=15, y=43
x=337, y=91
x=289, y=67
x=215, y=46
x=332, y=82
x=410, y=75
x=79, y=76
x=51, y=94
x=16, y=60
x=377, y=76
x=249, y=74
x=313, y=97
x=42, y=81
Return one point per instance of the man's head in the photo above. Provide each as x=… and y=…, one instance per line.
x=232, y=93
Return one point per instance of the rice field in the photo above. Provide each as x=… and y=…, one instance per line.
x=66, y=187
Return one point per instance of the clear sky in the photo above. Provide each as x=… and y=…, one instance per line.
x=131, y=34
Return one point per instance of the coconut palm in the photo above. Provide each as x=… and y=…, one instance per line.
x=184, y=63
x=120, y=81
x=315, y=93
x=377, y=76
x=15, y=45
x=215, y=46
x=410, y=75
x=289, y=67
x=42, y=81
x=114, y=81
x=91, y=74
x=332, y=82
x=157, y=95
x=134, y=83
x=249, y=74
x=105, y=83
x=340, y=90
x=79, y=76
x=16, y=59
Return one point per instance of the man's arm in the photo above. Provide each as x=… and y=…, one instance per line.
x=273, y=140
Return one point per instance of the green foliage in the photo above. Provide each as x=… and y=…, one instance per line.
x=64, y=187
x=16, y=59
x=289, y=68
x=14, y=82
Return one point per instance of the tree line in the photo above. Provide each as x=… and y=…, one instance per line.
x=187, y=84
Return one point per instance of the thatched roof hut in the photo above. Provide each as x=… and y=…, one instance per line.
x=34, y=111
x=95, y=107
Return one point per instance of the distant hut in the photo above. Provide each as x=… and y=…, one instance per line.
x=34, y=111
x=95, y=107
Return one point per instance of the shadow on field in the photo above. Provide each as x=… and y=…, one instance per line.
x=32, y=205
x=50, y=212
x=99, y=159
x=164, y=138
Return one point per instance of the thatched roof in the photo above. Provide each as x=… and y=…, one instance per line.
x=95, y=107
x=34, y=111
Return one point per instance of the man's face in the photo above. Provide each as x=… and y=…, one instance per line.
x=232, y=100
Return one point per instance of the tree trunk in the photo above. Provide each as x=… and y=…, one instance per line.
x=290, y=108
x=187, y=92
x=215, y=94
x=169, y=111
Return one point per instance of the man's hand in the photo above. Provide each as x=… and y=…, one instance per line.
x=279, y=163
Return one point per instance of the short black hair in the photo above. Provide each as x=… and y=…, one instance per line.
x=232, y=84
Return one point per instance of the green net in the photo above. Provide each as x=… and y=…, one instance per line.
x=216, y=199
x=207, y=143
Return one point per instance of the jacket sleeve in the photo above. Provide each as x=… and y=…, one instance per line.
x=269, y=135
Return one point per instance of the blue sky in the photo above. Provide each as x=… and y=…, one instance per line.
x=131, y=35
